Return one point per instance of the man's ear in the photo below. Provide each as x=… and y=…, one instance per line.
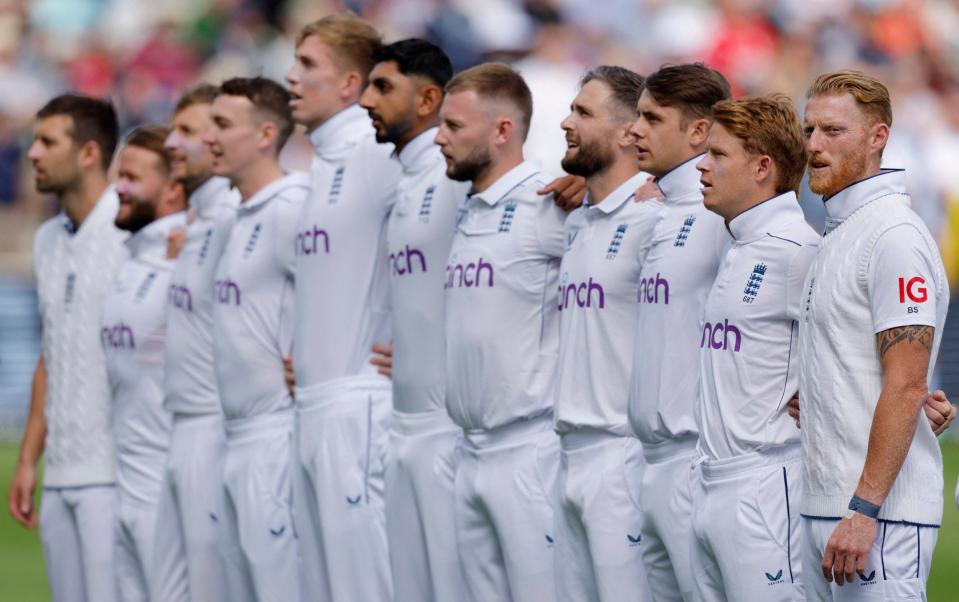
x=89, y=155
x=269, y=133
x=878, y=136
x=351, y=85
x=428, y=100
x=505, y=128
x=698, y=131
x=764, y=169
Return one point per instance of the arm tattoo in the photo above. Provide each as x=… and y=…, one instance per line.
x=887, y=339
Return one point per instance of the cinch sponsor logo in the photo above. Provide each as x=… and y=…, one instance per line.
x=402, y=261
x=118, y=336
x=649, y=289
x=582, y=294
x=306, y=241
x=180, y=297
x=913, y=290
x=712, y=331
x=226, y=292
x=469, y=275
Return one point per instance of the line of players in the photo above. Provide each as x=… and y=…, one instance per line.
x=659, y=337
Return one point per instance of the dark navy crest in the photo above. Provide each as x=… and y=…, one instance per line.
x=251, y=243
x=684, y=231
x=145, y=287
x=427, y=204
x=337, y=186
x=753, y=283
x=205, y=247
x=506, y=222
x=613, y=250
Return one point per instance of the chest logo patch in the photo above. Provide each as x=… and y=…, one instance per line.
x=145, y=287
x=506, y=222
x=251, y=243
x=684, y=231
x=753, y=283
x=427, y=205
x=205, y=247
x=337, y=186
x=613, y=250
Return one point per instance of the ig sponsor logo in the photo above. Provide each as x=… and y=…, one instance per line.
x=913, y=290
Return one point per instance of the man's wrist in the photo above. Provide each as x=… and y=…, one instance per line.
x=864, y=507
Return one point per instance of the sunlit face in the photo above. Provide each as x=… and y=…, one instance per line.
x=316, y=83
x=465, y=136
x=837, y=142
x=141, y=179
x=234, y=135
x=53, y=154
x=591, y=131
x=191, y=161
x=660, y=136
x=727, y=175
x=390, y=99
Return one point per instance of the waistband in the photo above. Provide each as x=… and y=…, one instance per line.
x=669, y=449
x=510, y=433
x=421, y=423
x=334, y=391
x=251, y=428
x=181, y=420
x=584, y=437
x=718, y=470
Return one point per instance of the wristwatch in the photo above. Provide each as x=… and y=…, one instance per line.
x=866, y=508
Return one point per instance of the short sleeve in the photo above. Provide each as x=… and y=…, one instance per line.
x=796, y=279
x=287, y=216
x=901, y=280
x=648, y=216
x=383, y=174
x=551, y=227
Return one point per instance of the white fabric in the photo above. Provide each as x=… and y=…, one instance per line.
x=896, y=571
x=605, y=247
x=502, y=328
x=341, y=258
x=504, y=490
x=599, y=521
x=74, y=273
x=420, y=521
x=679, y=269
x=748, y=358
x=76, y=530
x=419, y=236
x=746, y=528
x=253, y=314
x=190, y=373
x=133, y=538
x=342, y=439
x=840, y=376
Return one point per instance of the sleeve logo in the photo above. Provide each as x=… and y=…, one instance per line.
x=913, y=290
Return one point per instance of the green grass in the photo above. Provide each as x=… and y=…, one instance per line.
x=23, y=578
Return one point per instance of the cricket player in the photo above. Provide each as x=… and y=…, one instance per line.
x=670, y=136
x=598, y=519
x=75, y=256
x=501, y=338
x=872, y=314
x=252, y=326
x=190, y=507
x=746, y=525
x=133, y=334
x=403, y=99
x=343, y=405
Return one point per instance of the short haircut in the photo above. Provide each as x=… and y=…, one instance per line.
x=201, y=94
x=94, y=120
x=498, y=82
x=626, y=85
x=870, y=93
x=269, y=98
x=151, y=138
x=415, y=56
x=693, y=88
x=352, y=40
x=768, y=125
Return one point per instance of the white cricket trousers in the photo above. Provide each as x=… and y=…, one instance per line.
x=420, y=521
x=342, y=435
x=666, y=499
x=897, y=568
x=746, y=528
x=76, y=529
x=598, y=519
x=505, y=485
x=134, y=547
x=256, y=528
x=187, y=560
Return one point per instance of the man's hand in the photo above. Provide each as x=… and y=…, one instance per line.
x=848, y=548
x=383, y=359
x=939, y=412
x=21, y=494
x=288, y=375
x=792, y=407
x=649, y=192
x=568, y=191
x=174, y=242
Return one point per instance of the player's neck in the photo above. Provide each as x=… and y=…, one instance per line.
x=497, y=170
x=411, y=134
x=78, y=202
x=257, y=177
x=601, y=185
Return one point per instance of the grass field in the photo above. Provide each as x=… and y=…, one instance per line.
x=22, y=578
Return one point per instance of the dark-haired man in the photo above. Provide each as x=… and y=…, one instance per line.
x=252, y=324
x=403, y=99
x=152, y=204
x=75, y=256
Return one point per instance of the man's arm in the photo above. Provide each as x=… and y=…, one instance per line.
x=939, y=411
x=568, y=191
x=23, y=487
x=904, y=355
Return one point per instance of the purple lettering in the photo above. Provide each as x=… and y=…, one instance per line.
x=180, y=297
x=649, y=289
x=711, y=340
x=226, y=292
x=306, y=241
x=573, y=294
x=468, y=275
x=118, y=336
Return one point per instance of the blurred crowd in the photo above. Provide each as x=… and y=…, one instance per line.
x=141, y=54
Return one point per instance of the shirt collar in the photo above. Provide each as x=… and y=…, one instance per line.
x=681, y=183
x=204, y=199
x=508, y=182
x=845, y=202
x=151, y=240
x=336, y=132
x=421, y=152
x=759, y=219
x=623, y=193
x=105, y=209
x=294, y=178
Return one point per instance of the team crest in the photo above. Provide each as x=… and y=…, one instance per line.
x=337, y=186
x=613, y=250
x=254, y=236
x=68, y=290
x=427, y=204
x=205, y=247
x=506, y=222
x=753, y=283
x=684, y=231
x=145, y=287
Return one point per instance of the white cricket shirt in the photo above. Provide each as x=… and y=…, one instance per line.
x=419, y=236
x=605, y=247
x=748, y=356
x=502, y=323
x=190, y=372
x=253, y=295
x=133, y=334
x=680, y=267
x=342, y=264
x=74, y=270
